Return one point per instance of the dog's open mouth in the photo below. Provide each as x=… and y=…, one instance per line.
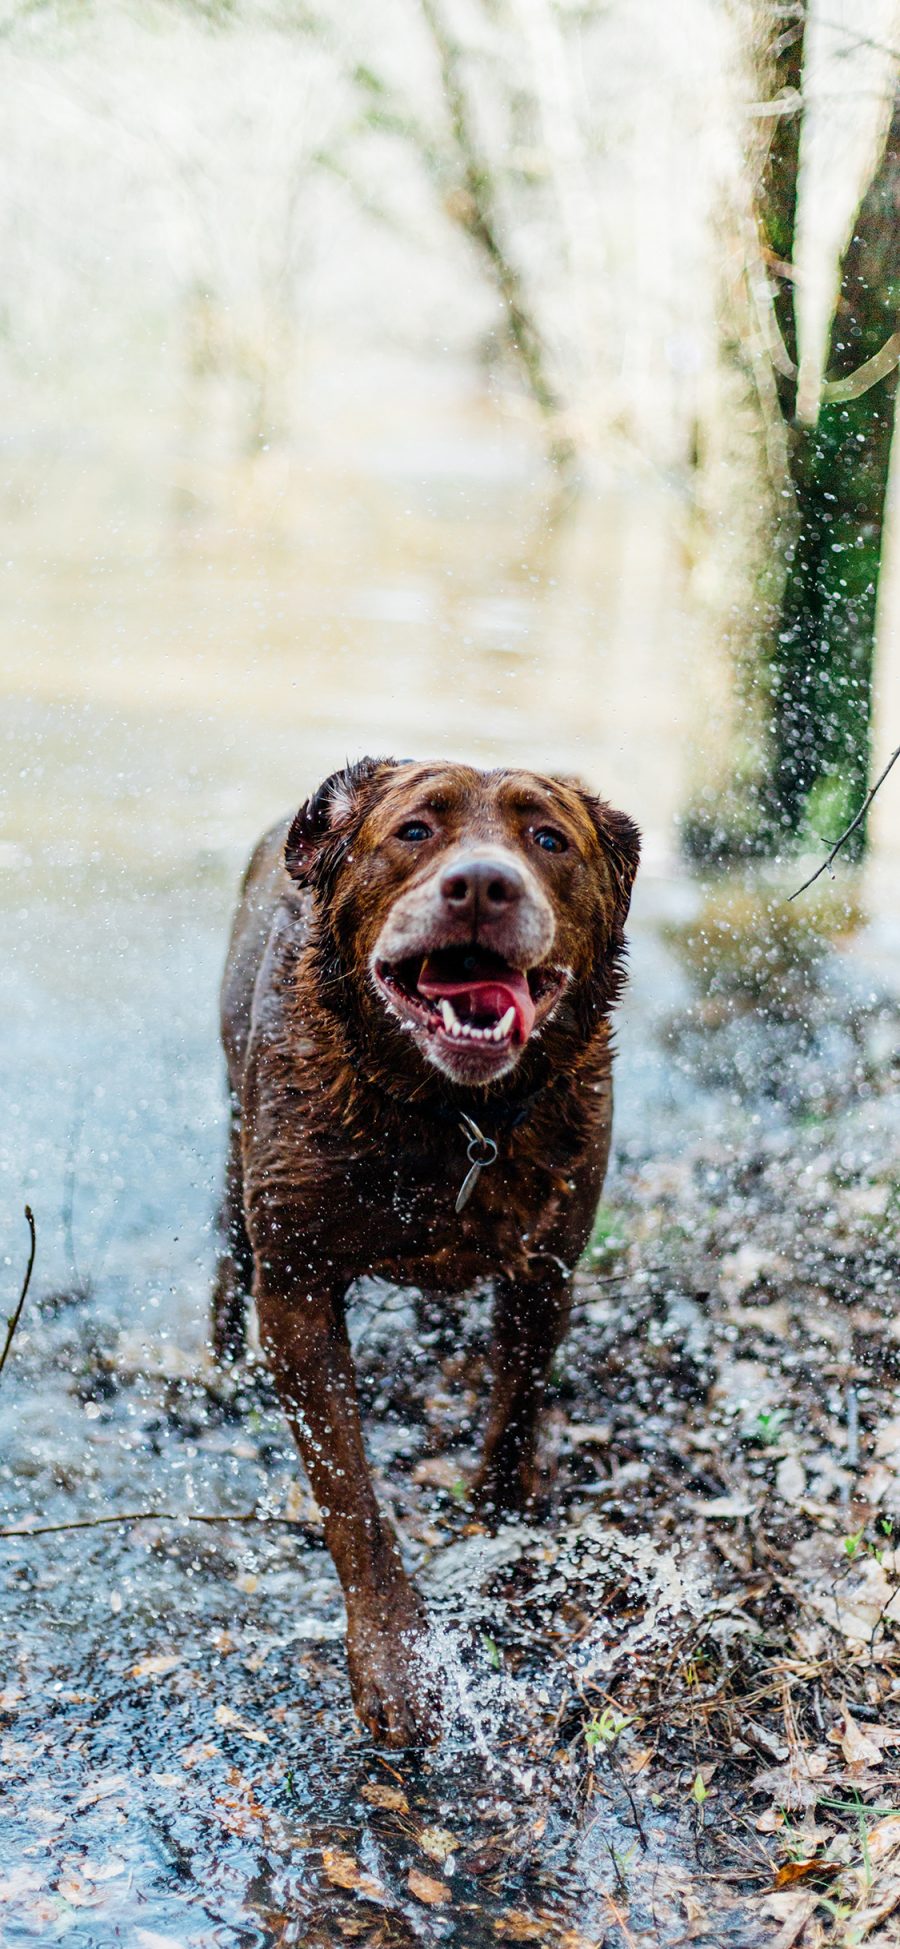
x=470, y=994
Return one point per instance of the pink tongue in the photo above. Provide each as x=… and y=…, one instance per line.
x=490, y=998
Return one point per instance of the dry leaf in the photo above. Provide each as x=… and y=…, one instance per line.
x=392, y=1799
x=427, y=1890
x=790, y=1479
x=103, y=1870
x=636, y=1761
x=792, y=1907
x=883, y=1838
x=200, y=1749
x=722, y=1508
x=437, y=1842
x=794, y=1871
x=887, y=1901
x=225, y=1716
x=590, y=1434
x=857, y=1749
x=770, y=1821
x=344, y=1872
x=516, y=1926
x=155, y=1665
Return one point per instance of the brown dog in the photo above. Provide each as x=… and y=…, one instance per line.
x=416, y=1021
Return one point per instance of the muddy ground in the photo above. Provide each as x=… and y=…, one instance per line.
x=672, y=1705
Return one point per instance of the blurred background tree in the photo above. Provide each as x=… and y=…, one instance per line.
x=663, y=241
x=830, y=216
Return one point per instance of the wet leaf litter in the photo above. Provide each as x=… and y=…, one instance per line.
x=673, y=1703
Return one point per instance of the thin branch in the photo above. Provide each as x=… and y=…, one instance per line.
x=866, y=376
x=473, y=208
x=14, y=1318
x=827, y=863
x=309, y=1531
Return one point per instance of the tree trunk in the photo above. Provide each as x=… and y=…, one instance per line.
x=823, y=652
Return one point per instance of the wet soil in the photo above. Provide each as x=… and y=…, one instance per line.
x=672, y=1702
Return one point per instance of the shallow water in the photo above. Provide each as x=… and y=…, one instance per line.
x=179, y=1747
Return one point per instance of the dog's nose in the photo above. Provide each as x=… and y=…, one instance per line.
x=486, y=887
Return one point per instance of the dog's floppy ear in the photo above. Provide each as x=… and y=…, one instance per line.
x=328, y=815
x=621, y=842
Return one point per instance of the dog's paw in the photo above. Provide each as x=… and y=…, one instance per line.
x=393, y=1690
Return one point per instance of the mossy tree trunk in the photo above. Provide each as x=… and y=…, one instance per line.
x=823, y=652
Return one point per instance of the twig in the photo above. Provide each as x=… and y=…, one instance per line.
x=14, y=1318
x=827, y=863
x=307, y=1530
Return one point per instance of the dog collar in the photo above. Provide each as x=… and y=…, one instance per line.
x=481, y=1151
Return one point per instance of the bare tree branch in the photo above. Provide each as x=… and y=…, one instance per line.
x=308, y=1531
x=826, y=863
x=14, y=1318
x=473, y=209
x=866, y=375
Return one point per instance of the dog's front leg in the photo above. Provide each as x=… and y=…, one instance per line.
x=530, y=1318
x=306, y=1341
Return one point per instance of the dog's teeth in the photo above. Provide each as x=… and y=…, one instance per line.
x=505, y=1024
x=449, y=1013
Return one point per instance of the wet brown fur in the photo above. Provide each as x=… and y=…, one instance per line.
x=346, y=1151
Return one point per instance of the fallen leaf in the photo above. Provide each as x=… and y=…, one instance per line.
x=225, y=1715
x=154, y=1666
x=790, y=1479
x=103, y=1870
x=200, y=1749
x=887, y=1440
x=519, y=1927
x=636, y=1761
x=883, y=1838
x=792, y=1907
x=484, y=1859
x=770, y=1821
x=887, y=1901
x=590, y=1434
x=794, y=1786
x=437, y=1842
x=392, y=1799
x=427, y=1890
x=723, y=1508
x=801, y=1870
x=857, y=1749
x=22, y=1881
x=343, y=1872
x=77, y=1892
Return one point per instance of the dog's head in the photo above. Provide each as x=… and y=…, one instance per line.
x=470, y=908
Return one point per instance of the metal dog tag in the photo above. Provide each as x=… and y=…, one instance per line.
x=477, y=1142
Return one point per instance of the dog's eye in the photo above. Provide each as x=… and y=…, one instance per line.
x=414, y=830
x=550, y=840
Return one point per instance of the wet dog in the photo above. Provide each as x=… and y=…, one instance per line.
x=416, y=1019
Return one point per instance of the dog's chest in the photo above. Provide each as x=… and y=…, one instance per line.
x=399, y=1215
